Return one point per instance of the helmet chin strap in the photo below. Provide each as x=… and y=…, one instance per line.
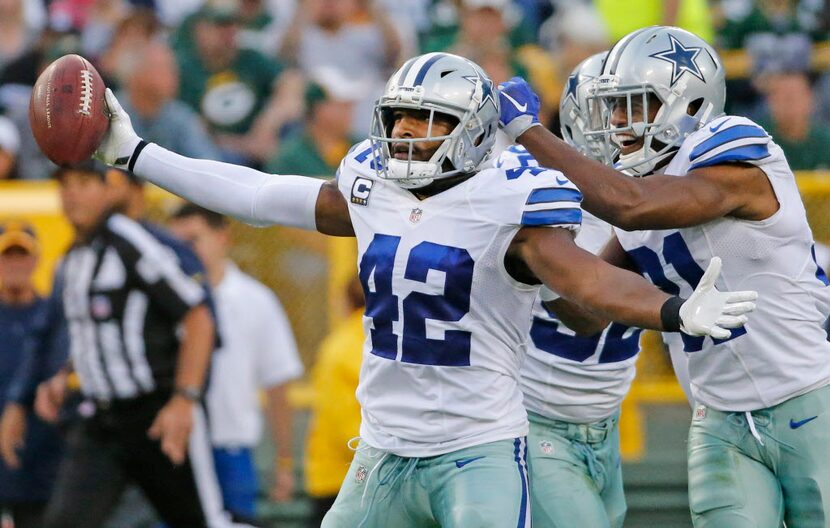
x=412, y=174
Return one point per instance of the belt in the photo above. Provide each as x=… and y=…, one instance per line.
x=590, y=433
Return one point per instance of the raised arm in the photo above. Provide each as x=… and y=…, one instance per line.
x=655, y=202
x=252, y=196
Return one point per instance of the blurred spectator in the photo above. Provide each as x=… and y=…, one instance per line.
x=9, y=147
x=173, y=13
x=133, y=33
x=324, y=141
x=778, y=54
x=335, y=419
x=258, y=29
x=151, y=83
x=790, y=103
x=31, y=449
x=448, y=17
x=742, y=20
x=258, y=353
x=234, y=89
x=573, y=34
x=624, y=17
x=103, y=19
x=17, y=36
x=353, y=41
x=484, y=36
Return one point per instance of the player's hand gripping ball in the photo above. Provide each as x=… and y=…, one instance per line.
x=67, y=111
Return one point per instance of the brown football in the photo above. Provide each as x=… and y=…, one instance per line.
x=67, y=110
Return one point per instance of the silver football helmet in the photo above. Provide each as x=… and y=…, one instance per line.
x=438, y=83
x=573, y=107
x=661, y=65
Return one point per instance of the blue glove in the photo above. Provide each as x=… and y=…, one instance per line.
x=519, y=107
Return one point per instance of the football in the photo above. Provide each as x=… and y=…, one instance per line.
x=67, y=110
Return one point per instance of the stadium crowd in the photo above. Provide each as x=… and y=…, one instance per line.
x=287, y=86
x=269, y=82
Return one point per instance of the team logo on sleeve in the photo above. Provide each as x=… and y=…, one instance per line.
x=360, y=191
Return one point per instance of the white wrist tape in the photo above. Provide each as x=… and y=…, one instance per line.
x=252, y=196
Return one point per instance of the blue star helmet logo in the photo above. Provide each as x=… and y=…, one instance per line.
x=681, y=58
x=570, y=89
x=487, y=92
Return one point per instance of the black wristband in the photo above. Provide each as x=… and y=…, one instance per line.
x=670, y=314
x=136, y=152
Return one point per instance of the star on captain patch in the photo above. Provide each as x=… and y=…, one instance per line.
x=415, y=215
x=681, y=58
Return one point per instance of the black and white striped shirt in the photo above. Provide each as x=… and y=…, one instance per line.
x=124, y=295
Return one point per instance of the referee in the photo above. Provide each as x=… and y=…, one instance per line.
x=140, y=342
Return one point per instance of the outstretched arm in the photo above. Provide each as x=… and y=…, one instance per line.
x=252, y=196
x=619, y=295
x=656, y=202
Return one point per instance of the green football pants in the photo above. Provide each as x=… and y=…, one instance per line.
x=482, y=486
x=755, y=470
x=575, y=474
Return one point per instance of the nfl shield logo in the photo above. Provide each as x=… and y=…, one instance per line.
x=360, y=474
x=546, y=447
x=415, y=215
x=700, y=412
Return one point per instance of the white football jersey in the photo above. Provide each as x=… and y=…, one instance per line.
x=446, y=325
x=783, y=350
x=568, y=377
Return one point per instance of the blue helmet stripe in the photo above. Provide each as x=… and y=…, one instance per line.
x=425, y=68
x=406, y=69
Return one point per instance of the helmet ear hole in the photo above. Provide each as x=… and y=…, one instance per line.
x=694, y=106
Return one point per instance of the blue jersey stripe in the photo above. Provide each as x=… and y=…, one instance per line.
x=744, y=153
x=425, y=68
x=554, y=194
x=520, y=456
x=820, y=274
x=552, y=217
x=727, y=135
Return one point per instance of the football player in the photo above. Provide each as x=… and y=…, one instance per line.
x=449, y=258
x=573, y=385
x=716, y=185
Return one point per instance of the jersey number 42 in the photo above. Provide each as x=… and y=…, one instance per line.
x=382, y=304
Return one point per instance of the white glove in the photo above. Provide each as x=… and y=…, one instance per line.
x=710, y=312
x=121, y=140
